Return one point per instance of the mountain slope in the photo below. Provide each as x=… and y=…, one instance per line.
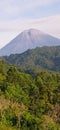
x=45, y=57
x=27, y=40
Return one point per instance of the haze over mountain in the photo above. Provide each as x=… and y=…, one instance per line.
x=40, y=57
x=29, y=39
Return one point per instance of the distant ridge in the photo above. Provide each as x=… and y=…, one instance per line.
x=40, y=57
x=29, y=39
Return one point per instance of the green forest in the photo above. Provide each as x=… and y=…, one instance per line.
x=29, y=100
x=40, y=57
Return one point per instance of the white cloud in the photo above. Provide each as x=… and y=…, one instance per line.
x=49, y=25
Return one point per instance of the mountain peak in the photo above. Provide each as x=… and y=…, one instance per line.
x=29, y=39
x=32, y=31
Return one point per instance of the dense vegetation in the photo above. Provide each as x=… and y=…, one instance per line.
x=44, y=57
x=29, y=101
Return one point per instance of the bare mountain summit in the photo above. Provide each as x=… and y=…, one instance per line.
x=29, y=39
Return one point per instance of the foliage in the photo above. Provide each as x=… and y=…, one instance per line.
x=29, y=101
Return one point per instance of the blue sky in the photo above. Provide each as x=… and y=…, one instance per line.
x=17, y=15
x=27, y=9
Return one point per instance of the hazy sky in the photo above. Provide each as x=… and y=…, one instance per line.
x=18, y=15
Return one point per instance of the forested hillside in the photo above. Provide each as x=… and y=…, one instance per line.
x=44, y=57
x=29, y=101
